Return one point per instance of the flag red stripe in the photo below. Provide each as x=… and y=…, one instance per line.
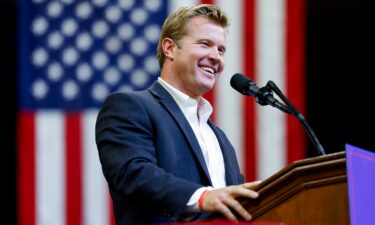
x=111, y=214
x=207, y=1
x=295, y=75
x=26, y=169
x=73, y=168
x=249, y=115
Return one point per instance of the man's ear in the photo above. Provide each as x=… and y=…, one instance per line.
x=168, y=46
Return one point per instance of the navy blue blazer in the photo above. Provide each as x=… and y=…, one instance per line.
x=151, y=158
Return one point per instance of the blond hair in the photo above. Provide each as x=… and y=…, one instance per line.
x=175, y=26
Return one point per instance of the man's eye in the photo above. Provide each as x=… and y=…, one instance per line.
x=204, y=44
x=221, y=51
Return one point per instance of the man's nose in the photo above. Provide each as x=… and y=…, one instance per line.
x=214, y=55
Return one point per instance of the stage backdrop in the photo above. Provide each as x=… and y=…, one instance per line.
x=72, y=54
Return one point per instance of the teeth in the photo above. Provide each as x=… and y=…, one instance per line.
x=207, y=69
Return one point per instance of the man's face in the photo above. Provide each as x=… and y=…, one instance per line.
x=198, y=60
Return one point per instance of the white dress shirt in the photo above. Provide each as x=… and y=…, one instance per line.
x=197, y=114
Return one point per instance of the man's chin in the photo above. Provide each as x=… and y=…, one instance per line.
x=207, y=87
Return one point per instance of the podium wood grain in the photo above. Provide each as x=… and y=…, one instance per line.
x=311, y=191
x=308, y=191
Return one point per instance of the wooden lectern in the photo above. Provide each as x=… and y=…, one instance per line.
x=308, y=191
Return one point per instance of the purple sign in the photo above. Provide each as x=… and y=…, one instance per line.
x=361, y=185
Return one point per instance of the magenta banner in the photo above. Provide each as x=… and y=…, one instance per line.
x=361, y=185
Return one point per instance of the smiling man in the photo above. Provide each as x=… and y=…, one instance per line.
x=163, y=158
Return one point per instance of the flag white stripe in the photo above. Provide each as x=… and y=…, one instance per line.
x=228, y=108
x=95, y=192
x=50, y=171
x=173, y=4
x=270, y=66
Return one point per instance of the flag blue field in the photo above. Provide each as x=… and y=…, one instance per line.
x=76, y=52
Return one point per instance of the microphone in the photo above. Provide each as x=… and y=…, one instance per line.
x=263, y=95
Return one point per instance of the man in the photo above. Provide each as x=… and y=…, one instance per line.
x=162, y=157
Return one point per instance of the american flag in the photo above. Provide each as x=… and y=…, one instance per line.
x=72, y=54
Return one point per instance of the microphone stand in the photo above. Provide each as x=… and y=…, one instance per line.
x=299, y=117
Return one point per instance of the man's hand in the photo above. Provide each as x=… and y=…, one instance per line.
x=224, y=200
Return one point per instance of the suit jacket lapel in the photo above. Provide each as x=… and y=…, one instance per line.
x=168, y=102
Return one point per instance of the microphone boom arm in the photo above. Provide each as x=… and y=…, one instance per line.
x=299, y=117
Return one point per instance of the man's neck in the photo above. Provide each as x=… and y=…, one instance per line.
x=177, y=84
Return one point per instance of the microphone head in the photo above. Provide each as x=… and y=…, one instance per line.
x=243, y=84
